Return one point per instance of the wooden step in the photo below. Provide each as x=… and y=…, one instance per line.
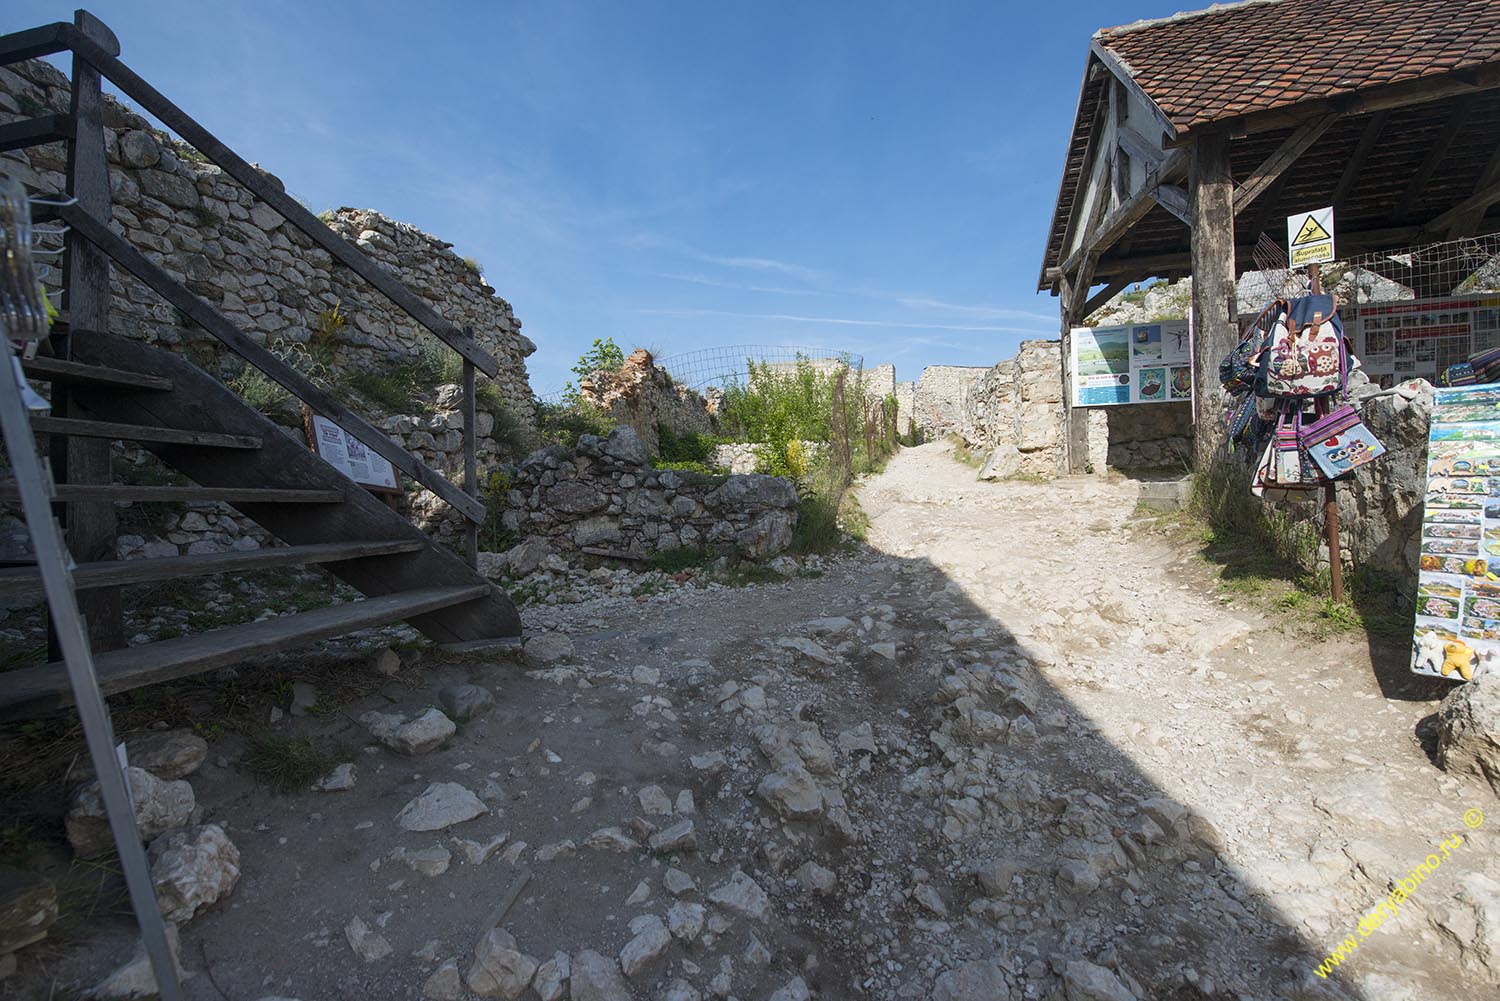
x=122, y=493
x=77, y=373
x=76, y=428
x=23, y=581
x=35, y=132
x=35, y=689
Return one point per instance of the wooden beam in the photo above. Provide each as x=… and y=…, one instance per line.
x=1101, y=297
x=75, y=427
x=1466, y=222
x=1131, y=211
x=1214, y=322
x=1139, y=147
x=1476, y=203
x=1436, y=153
x=35, y=132
x=281, y=373
x=1398, y=95
x=346, y=253
x=129, y=493
x=1175, y=201
x=1356, y=162
x=1299, y=142
x=33, y=43
x=1122, y=73
x=1260, y=217
x=91, y=526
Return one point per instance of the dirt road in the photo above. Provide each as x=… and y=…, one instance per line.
x=1015, y=748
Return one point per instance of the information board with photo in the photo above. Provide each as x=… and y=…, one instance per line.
x=1140, y=363
x=1457, y=632
x=350, y=456
x=1420, y=338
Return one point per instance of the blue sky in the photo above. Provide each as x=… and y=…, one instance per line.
x=875, y=177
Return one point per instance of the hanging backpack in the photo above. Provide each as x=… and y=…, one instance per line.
x=1305, y=355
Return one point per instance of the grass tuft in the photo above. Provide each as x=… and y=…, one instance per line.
x=285, y=763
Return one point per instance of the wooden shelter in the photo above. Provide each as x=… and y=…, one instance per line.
x=1195, y=134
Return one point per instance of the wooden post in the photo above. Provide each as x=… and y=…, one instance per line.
x=1211, y=191
x=471, y=465
x=1330, y=492
x=91, y=525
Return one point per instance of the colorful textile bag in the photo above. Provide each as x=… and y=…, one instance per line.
x=1293, y=466
x=1339, y=442
x=1263, y=482
x=1305, y=357
x=1458, y=374
x=1485, y=366
x=1240, y=368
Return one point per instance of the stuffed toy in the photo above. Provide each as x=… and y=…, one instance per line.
x=1458, y=657
x=1429, y=658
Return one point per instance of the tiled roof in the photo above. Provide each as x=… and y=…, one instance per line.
x=1235, y=59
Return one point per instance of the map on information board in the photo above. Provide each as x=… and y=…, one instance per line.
x=1140, y=363
x=350, y=456
x=1420, y=338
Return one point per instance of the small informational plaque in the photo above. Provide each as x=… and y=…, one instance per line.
x=1140, y=363
x=350, y=456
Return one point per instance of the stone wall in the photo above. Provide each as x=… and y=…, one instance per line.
x=1380, y=507
x=1014, y=412
x=211, y=234
x=1149, y=436
x=642, y=395
x=941, y=397
x=906, y=400
x=605, y=499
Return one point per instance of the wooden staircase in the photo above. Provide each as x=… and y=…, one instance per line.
x=110, y=389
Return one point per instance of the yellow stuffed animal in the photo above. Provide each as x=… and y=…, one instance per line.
x=1458, y=657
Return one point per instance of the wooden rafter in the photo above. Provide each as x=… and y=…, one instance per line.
x=1466, y=221
x=1435, y=155
x=1299, y=142
x=1356, y=163
x=1101, y=297
x=1475, y=205
x=1100, y=238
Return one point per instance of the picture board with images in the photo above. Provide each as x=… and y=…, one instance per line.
x=1138, y=363
x=1457, y=632
x=1420, y=338
x=349, y=455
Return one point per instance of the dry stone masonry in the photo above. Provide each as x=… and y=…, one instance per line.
x=1014, y=412
x=605, y=499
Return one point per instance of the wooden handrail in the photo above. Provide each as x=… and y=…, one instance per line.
x=152, y=100
x=33, y=43
x=216, y=323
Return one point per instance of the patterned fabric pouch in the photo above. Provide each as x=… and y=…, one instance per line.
x=1339, y=442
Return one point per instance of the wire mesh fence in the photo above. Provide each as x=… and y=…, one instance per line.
x=729, y=365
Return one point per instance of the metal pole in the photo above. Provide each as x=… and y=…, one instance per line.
x=1330, y=492
x=33, y=484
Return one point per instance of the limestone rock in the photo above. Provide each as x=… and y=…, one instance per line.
x=425, y=732
x=466, y=701
x=794, y=989
x=597, y=978
x=651, y=941
x=545, y=649
x=28, y=907
x=160, y=805
x=927, y=895
x=550, y=982
x=525, y=559
x=678, y=882
x=167, y=754
x=442, y=804
x=793, y=793
x=611, y=839
x=975, y=981
x=681, y=990
x=995, y=876
x=304, y=698
x=386, y=663
x=432, y=861
x=445, y=984
x=685, y=920
x=477, y=852
x=1085, y=981
x=626, y=446
x=1471, y=919
x=1003, y=462
x=679, y=837
x=815, y=879
x=340, y=779
x=367, y=943
x=1469, y=730
x=192, y=870
x=135, y=978
x=743, y=896
x=499, y=970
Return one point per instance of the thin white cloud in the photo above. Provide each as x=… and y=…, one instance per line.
x=842, y=321
x=715, y=283
x=983, y=312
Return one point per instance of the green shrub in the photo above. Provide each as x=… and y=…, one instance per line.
x=701, y=468
x=683, y=558
x=258, y=389
x=563, y=424
x=688, y=447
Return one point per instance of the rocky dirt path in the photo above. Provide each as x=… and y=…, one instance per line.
x=1014, y=749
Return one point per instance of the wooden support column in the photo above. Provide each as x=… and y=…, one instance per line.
x=90, y=525
x=1212, y=190
x=471, y=464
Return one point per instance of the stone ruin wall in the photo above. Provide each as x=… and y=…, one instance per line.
x=941, y=398
x=642, y=395
x=906, y=399
x=1014, y=413
x=604, y=499
x=216, y=238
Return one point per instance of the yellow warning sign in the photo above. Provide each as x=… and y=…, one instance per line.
x=1311, y=232
x=1309, y=237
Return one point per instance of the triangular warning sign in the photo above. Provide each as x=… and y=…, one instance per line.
x=1311, y=232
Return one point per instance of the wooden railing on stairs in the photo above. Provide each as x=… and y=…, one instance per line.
x=92, y=241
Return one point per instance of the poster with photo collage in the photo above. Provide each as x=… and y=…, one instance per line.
x=1139, y=363
x=1419, y=339
x=1458, y=591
